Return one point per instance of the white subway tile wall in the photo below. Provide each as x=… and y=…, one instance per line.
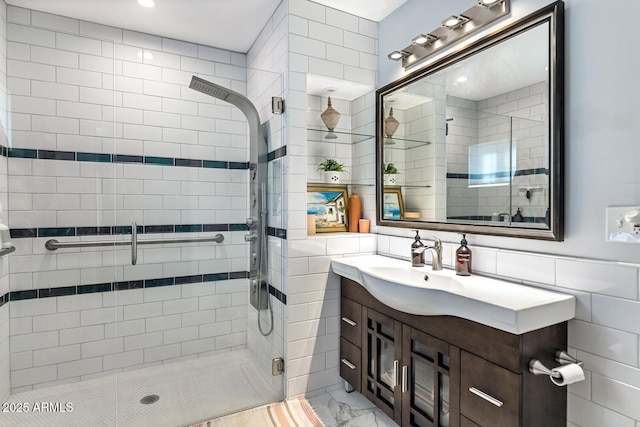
x=327, y=43
x=86, y=88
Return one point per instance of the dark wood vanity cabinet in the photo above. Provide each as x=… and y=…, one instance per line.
x=447, y=371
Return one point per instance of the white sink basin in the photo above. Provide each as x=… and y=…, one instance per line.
x=503, y=305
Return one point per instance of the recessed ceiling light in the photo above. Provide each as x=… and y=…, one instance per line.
x=147, y=3
x=462, y=79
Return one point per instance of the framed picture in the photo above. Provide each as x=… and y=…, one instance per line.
x=393, y=208
x=329, y=204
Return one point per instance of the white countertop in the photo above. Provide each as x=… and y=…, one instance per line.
x=503, y=305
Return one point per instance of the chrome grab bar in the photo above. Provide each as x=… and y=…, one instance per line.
x=53, y=244
x=134, y=243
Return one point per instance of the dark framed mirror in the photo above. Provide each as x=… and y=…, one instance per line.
x=474, y=141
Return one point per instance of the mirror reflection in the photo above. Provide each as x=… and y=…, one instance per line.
x=470, y=143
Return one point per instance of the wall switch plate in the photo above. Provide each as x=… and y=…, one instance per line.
x=623, y=224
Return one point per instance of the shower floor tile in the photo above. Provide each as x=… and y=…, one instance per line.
x=189, y=391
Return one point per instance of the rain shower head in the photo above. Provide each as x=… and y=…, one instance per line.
x=209, y=88
x=233, y=98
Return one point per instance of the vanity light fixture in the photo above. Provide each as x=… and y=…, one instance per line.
x=489, y=3
x=397, y=55
x=455, y=21
x=423, y=39
x=452, y=29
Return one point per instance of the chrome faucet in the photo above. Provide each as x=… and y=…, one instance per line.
x=436, y=253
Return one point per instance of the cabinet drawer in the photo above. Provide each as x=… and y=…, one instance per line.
x=350, y=313
x=489, y=394
x=466, y=422
x=350, y=363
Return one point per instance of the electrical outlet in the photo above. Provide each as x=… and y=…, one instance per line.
x=623, y=224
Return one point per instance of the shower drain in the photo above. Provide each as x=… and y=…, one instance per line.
x=152, y=398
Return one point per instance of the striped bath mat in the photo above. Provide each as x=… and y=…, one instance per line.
x=290, y=413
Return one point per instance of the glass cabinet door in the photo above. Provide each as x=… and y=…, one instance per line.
x=382, y=361
x=425, y=380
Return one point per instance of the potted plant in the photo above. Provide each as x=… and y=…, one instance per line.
x=390, y=172
x=332, y=170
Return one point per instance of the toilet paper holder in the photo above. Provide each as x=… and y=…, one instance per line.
x=536, y=367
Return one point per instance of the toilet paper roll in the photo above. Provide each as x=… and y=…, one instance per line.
x=569, y=374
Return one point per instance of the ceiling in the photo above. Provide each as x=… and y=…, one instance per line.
x=228, y=24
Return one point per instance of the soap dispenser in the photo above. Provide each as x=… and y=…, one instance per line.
x=463, y=258
x=518, y=216
x=417, y=252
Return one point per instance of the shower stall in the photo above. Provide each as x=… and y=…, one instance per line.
x=140, y=291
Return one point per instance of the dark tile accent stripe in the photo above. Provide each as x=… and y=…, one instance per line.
x=189, y=163
x=238, y=227
x=151, y=229
x=92, y=289
x=279, y=295
x=215, y=164
x=165, y=161
x=22, y=295
x=197, y=278
x=57, y=292
x=56, y=155
x=56, y=232
x=239, y=275
x=277, y=232
x=189, y=228
x=18, y=233
x=214, y=277
x=277, y=153
x=238, y=165
x=123, y=158
x=124, y=286
x=26, y=153
x=155, y=283
x=128, y=285
x=215, y=227
x=23, y=153
x=93, y=157
x=520, y=172
x=93, y=231
x=536, y=219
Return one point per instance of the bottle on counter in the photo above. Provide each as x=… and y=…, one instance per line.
x=463, y=258
x=417, y=252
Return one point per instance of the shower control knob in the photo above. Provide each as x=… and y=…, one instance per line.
x=251, y=237
x=251, y=222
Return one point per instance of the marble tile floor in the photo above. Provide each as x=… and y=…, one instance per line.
x=341, y=409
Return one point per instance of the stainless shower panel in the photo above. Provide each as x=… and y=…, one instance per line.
x=256, y=223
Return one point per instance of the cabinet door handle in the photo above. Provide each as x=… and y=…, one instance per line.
x=349, y=364
x=396, y=364
x=405, y=379
x=349, y=321
x=486, y=397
